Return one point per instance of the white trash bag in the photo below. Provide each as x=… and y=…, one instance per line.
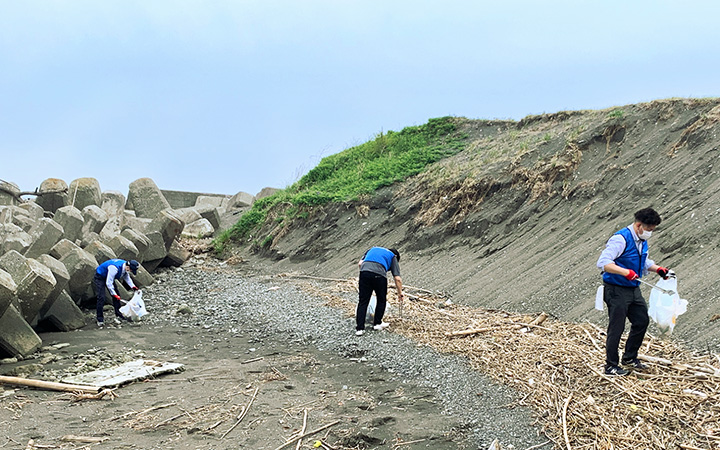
x=135, y=308
x=665, y=308
x=370, y=315
x=600, y=297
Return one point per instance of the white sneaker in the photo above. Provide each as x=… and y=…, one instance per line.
x=359, y=332
x=100, y=323
x=381, y=326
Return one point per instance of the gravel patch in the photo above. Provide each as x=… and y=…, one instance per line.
x=228, y=301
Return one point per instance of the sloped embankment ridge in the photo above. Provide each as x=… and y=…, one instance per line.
x=517, y=218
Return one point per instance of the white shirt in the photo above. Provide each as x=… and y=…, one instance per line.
x=616, y=246
x=110, y=280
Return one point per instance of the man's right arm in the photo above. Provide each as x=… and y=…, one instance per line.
x=613, y=249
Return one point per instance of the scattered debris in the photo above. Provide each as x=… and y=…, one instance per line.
x=131, y=371
x=671, y=404
x=40, y=384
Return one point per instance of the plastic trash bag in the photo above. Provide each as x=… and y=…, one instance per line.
x=665, y=308
x=600, y=297
x=370, y=315
x=135, y=308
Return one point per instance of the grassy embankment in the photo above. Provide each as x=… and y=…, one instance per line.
x=346, y=176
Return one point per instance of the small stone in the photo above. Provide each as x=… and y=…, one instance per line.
x=184, y=309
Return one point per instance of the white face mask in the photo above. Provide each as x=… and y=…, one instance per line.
x=644, y=234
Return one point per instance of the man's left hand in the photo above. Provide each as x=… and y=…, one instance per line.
x=135, y=288
x=664, y=273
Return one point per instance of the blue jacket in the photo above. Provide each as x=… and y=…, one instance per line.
x=102, y=269
x=380, y=255
x=630, y=259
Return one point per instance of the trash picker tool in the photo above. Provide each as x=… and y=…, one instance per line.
x=664, y=291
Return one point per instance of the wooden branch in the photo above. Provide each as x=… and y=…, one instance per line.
x=564, y=422
x=415, y=297
x=534, y=324
x=594, y=343
x=83, y=439
x=468, y=332
x=680, y=367
x=689, y=447
x=154, y=408
x=17, y=195
x=17, y=381
x=39, y=194
x=242, y=414
x=539, y=319
x=302, y=430
x=251, y=360
x=309, y=433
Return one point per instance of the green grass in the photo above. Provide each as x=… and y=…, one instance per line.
x=361, y=170
x=616, y=114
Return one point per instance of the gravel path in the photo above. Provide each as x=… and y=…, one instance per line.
x=228, y=299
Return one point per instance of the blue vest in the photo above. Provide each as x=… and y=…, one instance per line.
x=102, y=269
x=629, y=259
x=380, y=255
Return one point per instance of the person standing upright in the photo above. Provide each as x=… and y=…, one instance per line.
x=373, y=277
x=623, y=262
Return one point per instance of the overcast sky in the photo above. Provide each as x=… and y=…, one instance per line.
x=227, y=96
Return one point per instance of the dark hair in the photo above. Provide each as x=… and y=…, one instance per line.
x=648, y=216
x=397, y=253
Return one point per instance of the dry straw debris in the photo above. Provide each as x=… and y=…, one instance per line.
x=557, y=368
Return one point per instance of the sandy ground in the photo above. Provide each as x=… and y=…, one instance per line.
x=233, y=365
x=208, y=396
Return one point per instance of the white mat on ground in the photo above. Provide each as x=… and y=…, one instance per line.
x=125, y=373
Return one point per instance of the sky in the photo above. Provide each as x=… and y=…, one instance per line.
x=221, y=96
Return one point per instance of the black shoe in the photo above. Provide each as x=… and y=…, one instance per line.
x=119, y=318
x=615, y=371
x=634, y=364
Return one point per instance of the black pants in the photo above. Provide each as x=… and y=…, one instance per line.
x=100, y=287
x=624, y=302
x=368, y=283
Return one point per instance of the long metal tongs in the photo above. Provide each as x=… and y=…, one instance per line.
x=664, y=291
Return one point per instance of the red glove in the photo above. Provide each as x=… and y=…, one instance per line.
x=632, y=275
x=116, y=297
x=135, y=288
x=663, y=272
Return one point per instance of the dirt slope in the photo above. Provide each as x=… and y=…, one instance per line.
x=518, y=219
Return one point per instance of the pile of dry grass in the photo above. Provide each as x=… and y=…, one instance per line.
x=557, y=367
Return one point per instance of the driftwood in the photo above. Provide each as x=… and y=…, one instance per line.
x=671, y=404
x=302, y=430
x=679, y=367
x=259, y=358
x=83, y=439
x=144, y=411
x=534, y=324
x=17, y=381
x=242, y=415
x=564, y=422
x=79, y=396
x=309, y=433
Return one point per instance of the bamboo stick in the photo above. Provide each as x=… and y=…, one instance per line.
x=29, y=382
